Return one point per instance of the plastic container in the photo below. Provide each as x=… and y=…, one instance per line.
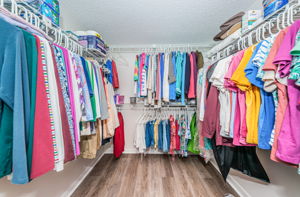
x=249, y=19
x=119, y=99
x=50, y=13
x=270, y=6
x=54, y=4
x=92, y=40
x=48, y=8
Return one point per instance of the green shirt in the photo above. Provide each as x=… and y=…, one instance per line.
x=193, y=145
x=32, y=58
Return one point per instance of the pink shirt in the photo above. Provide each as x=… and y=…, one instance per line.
x=43, y=151
x=289, y=136
x=191, y=93
x=282, y=104
x=269, y=67
x=283, y=57
x=270, y=84
x=228, y=84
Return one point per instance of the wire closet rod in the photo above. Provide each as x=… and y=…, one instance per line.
x=274, y=23
x=28, y=15
x=158, y=48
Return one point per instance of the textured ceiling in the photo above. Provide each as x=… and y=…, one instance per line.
x=145, y=22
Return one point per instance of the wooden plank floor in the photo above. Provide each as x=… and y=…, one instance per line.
x=153, y=176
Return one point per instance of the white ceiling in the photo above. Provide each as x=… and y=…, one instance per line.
x=147, y=22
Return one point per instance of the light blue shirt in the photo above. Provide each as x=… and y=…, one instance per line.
x=267, y=107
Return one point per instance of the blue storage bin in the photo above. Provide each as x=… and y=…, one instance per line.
x=54, y=4
x=93, y=42
x=48, y=8
x=270, y=6
x=50, y=13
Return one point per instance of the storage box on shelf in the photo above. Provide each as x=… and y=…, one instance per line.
x=271, y=6
x=93, y=41
x=48, y=8
x=249, y=19
x=230, y=46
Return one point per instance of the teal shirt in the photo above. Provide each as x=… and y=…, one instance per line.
x=32, y=61
x=178, y=73
x=14, y=93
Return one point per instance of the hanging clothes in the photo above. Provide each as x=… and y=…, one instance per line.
x=32, y=61
x=119, y=140
x=192, y=144
x=288, y=140
x=43, y=153
x=15, y=104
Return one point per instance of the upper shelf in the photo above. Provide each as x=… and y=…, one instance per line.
x=232, y=43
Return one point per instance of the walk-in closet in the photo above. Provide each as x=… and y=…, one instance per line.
x=149, y=98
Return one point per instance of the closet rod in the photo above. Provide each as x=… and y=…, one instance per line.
x=273, y=23
x=158, y=48
x=157, y=109
x=29, y=16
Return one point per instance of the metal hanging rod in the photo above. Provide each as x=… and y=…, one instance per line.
x=158, y=48
x=29, y=16
x=271, y=25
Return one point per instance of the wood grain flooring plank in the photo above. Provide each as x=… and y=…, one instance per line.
x=91, y=182
x=103, y=183
x=129, y=177
x=142, y=178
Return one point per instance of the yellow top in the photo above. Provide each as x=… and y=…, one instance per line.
x=252, y=97
x=239, y=75
x=252, y=114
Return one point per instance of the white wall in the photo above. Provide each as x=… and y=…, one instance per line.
x=53, y=184
x=125, y=65
x=284, y=180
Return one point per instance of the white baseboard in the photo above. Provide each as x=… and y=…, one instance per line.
x=233, y=183
x=84, y=174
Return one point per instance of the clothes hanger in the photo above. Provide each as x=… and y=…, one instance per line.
x=243, y=43
x=239, y=44
x=292, y=12
x=283, y=20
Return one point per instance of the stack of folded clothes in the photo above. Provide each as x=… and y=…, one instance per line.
x=230, y=26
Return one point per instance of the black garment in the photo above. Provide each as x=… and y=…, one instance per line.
x=241, y=158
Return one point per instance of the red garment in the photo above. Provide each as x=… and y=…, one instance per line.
x=68, y=146
x=43, y=152
x=210, y=116
x=119, y=140
x=115, y=75
x=177, y=136
x=192, y=93
x=173, y=135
